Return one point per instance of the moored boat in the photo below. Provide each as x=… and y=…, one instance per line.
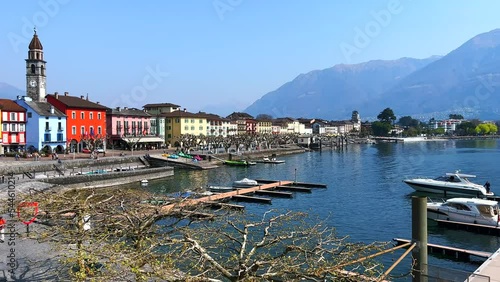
x=239, y=163
x=465, y=210
x=245, y=183
x=270, y=161
x=450, y=184
x=220, y=189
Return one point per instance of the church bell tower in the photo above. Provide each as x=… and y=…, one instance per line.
x=35, y=71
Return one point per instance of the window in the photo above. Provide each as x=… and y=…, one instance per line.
x=21, y=127
x=5, y=127
x=47, y=127
x=192, y=121
x=73, y=130
x=29, y=114
x=83, y=115
x=186, y=127
x=169, y=127
x=186, y=120
x=13, y=127
x=91, y=131
x=13, y=116
x=73, y=115
x=169, y=135
x=98, y=115
x=46, y=137
x=60, y=137
x=177, y=120
x=201, y=121
x=192, y=127
x=82, y=130
x=99, y=130
x=32, y=68
x=91, y=115
x=201, y=127
x=59, y=126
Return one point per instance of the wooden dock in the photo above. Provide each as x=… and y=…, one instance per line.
x=225, y=196
x=273, y=193
x=489, y=270
x=244, y=198
x=300, y=184
x=295, y=189
x=478, y=228
x=459, y=254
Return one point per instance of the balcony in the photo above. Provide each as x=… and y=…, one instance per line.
x=47, y=129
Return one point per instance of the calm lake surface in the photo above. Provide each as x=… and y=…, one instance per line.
x=366, y=198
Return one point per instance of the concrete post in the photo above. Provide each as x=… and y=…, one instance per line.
x=419, y=235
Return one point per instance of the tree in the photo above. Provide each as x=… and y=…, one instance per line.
x=466, y=129
x=283, y=246
x=408, y=121
x=381, y=128
x=387, y=116
x=456, y=116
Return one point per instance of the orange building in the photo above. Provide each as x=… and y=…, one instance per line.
x=85, y=120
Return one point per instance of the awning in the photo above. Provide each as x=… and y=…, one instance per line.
x=145, y=139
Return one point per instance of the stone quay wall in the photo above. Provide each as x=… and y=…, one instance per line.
x=109, y=179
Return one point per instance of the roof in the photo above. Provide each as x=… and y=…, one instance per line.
x=35, y=43
x=183, y=114
x=128, y=112
x=77, y=102
x=43, y=109
x=161, y=105
x=238, y=115
x=10, y=106
x=473, y=200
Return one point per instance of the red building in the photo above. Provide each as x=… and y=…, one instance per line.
x=85, y=120
x=13, y=126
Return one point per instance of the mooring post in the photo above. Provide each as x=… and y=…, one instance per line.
x=419, y=235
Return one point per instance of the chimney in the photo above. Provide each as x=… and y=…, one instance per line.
x=51, y=109
x=82, y=97
x=185, y=110
x=66, y=93
x=18, y=97
x=56, y=94
x=98, y=102
x=118, y=108
x=125, y=108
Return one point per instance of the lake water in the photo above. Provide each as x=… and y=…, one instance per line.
x=366, y=198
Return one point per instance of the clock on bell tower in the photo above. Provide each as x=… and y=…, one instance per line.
x=35, y=70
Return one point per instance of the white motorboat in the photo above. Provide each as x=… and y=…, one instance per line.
x=144, y=182
x=220, y=189
x=450, y=184
x=466, y=210
x=245, y=183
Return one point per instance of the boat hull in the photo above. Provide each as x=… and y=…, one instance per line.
x=446, y=190
x=436, y=212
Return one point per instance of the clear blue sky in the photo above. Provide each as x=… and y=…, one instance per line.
x=221, y=55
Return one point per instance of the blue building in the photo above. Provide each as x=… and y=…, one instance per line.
x=45, y=126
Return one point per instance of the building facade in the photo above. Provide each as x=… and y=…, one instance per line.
x=85, y=120
x=178, y=123
x=130, y=127
x=13, y=126
x=157, y=119
x=45, y=126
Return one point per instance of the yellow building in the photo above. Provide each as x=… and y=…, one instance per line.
x=178, y=123
x=264, y=126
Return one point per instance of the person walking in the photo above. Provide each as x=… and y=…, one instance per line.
x=2, y=229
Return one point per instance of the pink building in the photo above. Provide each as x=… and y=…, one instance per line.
x=128, y=127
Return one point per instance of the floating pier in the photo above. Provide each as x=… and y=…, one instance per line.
x=478, y=228
x=244, y=198
x=295, y=189
x=300, y=184
x=273, y=193
x=458, y=254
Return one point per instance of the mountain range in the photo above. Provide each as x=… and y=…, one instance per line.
x=466, y=81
